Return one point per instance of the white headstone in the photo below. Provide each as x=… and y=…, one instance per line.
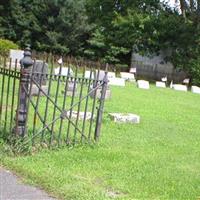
x=116, y=81
x=60, y=61
x=125, y=118
x=64, y=71
x=180, y=87
x=16, y=54
x=186, y=81
x=143, y=84
x=195, y=89
x=102, y=74
x=87, y=74
x=133, y=70
x=160, y=84
x=127, y=76
x=164, y=79
x=111, y=75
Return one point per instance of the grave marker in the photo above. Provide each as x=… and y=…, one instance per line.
x=160, y=84
x=127, y=76
x=116, y=82
x=195, y=89
x=143, y=84
x=180, y=87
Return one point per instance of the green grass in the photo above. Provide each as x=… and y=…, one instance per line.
x=156, y=159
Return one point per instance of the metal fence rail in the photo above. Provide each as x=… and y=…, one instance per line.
x=49, y=108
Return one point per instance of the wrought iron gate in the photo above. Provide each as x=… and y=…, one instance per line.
x=49, y=108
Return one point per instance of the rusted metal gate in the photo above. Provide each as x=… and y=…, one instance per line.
x=67, y=109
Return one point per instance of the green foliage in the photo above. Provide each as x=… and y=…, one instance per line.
x=105, y=30
x=5, y=46
x=52, y=26
x=101, y=49
x=195, y=71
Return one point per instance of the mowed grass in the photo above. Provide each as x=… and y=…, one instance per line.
x=156, y=159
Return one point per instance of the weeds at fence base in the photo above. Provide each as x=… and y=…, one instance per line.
x=13, y=145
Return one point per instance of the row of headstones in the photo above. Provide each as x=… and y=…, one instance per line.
x=113, y=80
x=179, y=87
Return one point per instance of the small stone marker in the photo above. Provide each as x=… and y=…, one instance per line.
x=98, y=93
x=116, y=81
x=74, y=114
x=70, y=89
x=40, y=68
x=87, y=74
x=102, y=74
x=160, y=84
x=99, y=90
x=125, y=118
x=195, y=89
x=133, y=70
x=64, y=71
x=35, y=90
x=127, y=76
x=179, y=87
x=111, y=74
x=143, y=84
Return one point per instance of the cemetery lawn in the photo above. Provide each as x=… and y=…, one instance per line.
x=156, y=159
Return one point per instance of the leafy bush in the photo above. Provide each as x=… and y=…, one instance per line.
x=6, y=45
x=195, y=71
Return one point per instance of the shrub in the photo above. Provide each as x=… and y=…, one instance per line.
x=5, y=46
x=195, y=71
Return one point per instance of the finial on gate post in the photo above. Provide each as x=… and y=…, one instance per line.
x=26, y=61
x=21, y=114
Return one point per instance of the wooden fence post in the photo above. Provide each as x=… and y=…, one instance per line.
x=21, y=114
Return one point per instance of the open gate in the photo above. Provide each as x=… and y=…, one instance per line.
x=48, y=107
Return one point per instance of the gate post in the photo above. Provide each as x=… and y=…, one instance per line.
x=101, y=106
x=26, y=65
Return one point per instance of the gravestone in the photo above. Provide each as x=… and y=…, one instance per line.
x=40, y=68
x=80, y=115
x=87, y=74
x=143, y=84
x=160, y=84
x=16, y=55
x=195, y=89
x=132, y=70
x=64, y=71
x=111, y=75
x=116, y=82
x=127, y=76
x=40, y=71
x=125, y=118
x=180, y=87
x=99, y=90
x=70, y=88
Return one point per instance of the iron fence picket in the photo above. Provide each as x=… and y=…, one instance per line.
x=2, y=90
x=79, y=105
x=72, y=102
x=10, y=78
x=7, y=97
x=47, y=99
x=13, y=96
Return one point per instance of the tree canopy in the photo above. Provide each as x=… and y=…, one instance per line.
x=106, y=30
